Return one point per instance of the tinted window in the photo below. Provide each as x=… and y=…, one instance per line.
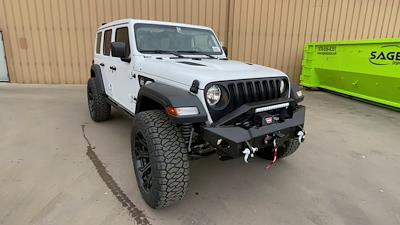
x=122, y=35
x=107, y=42
x=98, y=43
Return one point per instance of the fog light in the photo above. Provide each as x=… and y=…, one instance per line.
x=299, y=93
x=223, y=144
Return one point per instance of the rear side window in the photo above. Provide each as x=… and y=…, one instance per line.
x=98, y=43
x=107, y=42
x=122, y=35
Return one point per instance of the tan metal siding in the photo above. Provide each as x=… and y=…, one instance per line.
x=52, y=41
x=278, y=39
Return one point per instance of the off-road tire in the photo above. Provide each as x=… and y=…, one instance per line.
x=288, y=148
x=99, y=108
x=167, y=155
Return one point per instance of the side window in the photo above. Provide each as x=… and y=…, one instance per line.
x=98, y=43
x=122, y=35
x=107, y=42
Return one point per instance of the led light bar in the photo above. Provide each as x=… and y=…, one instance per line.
x=272, y=107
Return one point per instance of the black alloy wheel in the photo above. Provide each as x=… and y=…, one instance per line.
x=142, y=161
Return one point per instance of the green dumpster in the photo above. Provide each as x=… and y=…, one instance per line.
x=366, y=69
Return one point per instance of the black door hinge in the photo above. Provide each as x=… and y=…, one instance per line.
x=195, y=87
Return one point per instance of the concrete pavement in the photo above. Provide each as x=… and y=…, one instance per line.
x=347, y=171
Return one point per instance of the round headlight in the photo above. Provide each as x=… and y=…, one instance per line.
x=213, y=95
x=282, y=86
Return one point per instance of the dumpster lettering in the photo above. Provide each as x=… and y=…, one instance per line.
x=326, y=50
x=385, y=56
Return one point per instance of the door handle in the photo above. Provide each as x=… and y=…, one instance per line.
x=132, y=75
x=113, y=68
x=101, y=64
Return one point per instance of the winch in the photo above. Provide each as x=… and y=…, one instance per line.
x=250, y=150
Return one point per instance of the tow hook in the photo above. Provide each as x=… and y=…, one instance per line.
x=249, y=152
x=301, y=135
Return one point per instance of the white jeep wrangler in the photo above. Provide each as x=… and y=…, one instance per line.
x=188, y=100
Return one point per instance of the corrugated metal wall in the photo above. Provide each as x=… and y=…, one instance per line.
x=273, y=32
x=51, y=41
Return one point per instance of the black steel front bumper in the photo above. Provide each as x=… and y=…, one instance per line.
x=230, y=141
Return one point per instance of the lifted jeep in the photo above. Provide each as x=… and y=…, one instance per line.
x=187, y=101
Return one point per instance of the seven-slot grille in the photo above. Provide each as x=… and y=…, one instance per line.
x=247, y=91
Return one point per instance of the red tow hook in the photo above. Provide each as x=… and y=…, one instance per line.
x=275, y=155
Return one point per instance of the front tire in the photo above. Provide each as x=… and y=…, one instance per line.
x=99, y=108
x=160, y=159
x=288, y=148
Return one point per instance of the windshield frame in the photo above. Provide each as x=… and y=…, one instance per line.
x=211, y=32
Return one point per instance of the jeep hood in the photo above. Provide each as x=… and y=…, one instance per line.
x=184, y=71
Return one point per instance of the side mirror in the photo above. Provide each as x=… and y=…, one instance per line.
x=225, y=50
x=118, y=49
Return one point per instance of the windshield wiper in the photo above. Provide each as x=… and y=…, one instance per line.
x=163, y=52
x=198, y=52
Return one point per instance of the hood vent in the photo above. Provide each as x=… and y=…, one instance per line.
x=191, y=63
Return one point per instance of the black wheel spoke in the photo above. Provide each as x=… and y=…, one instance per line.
x=141, y=149
x=141, y=142
x=147, y=182
x=91, y=101
x=143, y=165
x=142, y=154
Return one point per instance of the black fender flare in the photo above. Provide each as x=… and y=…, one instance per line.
x=95, y=72
x=166, y=96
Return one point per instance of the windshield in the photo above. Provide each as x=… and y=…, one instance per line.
x=153, y=38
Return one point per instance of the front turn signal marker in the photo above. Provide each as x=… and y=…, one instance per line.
x=171, y=111
x=182, y=111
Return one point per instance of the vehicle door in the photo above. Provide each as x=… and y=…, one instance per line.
x=126, y=85
x=99, y=59
x=105, y=62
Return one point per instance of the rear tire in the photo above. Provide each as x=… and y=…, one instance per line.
x=289, y=147
x=99, y=108
x=160, y=159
